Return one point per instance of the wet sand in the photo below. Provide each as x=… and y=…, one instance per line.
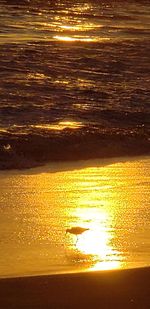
x=120, y=289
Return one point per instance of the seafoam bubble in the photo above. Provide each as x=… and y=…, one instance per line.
x=7, y=147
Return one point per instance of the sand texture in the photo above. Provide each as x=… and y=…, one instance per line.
x=121, y=289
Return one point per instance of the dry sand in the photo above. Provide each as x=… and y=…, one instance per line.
x=121, y=289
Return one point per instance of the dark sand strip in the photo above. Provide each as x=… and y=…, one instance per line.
x=111, y=289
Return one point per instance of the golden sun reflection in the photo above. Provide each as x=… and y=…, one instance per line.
x=106, y=265
x=80, y=38
x=96, y=242
x=73, y=39
x=59, y=126
x=111, y=200
x=80, y=27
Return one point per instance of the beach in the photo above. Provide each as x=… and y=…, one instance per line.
x=74, y=154
x=112, y=289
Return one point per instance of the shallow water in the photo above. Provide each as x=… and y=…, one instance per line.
x=72, y=70
x=112, y=199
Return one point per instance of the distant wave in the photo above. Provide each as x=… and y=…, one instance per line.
x=30, y=150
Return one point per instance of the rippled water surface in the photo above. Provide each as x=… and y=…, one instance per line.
x=72, y=68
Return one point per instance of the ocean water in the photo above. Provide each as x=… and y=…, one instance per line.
x=110, y=198
x=74, y=80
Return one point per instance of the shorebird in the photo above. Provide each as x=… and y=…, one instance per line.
x=77, y=230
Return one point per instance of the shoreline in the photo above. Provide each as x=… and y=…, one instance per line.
x=69, y=165
x=127, y=288
x=33, y=151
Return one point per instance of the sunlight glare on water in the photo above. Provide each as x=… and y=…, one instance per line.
x=110, y=200
x=60, y=126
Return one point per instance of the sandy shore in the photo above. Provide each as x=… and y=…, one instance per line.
x=121, y=289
